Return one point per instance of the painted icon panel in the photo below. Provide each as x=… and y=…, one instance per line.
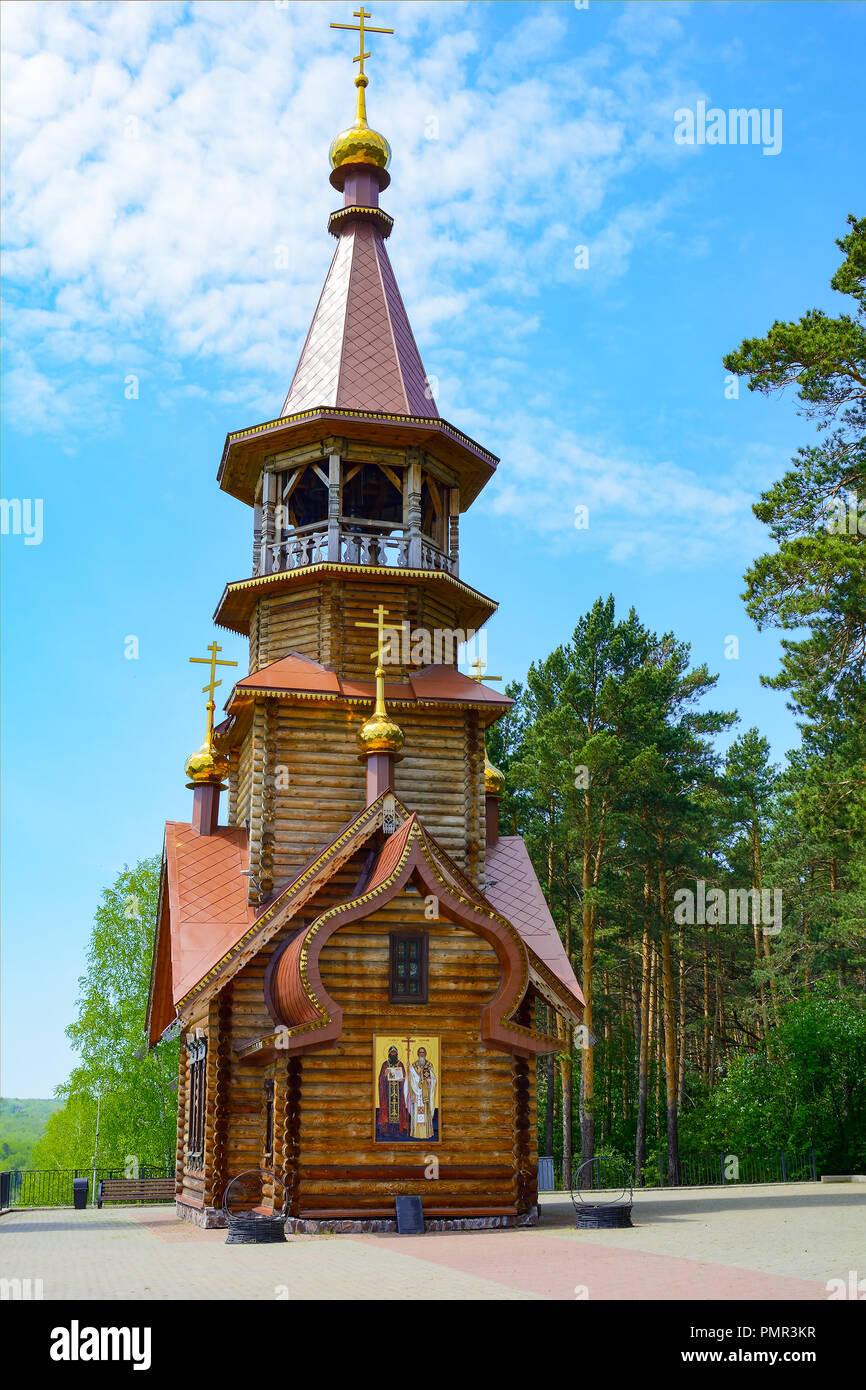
x=406, y=1088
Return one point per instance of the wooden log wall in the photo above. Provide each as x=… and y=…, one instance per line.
x=306, y=782
x=319, y=620
x=475, y=814
x=244, y=1090
x=243, y=795
x=260, y=740
x=341, y=1168
x=234, y=786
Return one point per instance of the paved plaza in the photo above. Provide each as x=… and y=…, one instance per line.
x=773, y=1242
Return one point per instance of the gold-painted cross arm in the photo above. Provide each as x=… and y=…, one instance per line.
x=213, y=662
x=478, y=667
x=380, y=625
x=361, y=29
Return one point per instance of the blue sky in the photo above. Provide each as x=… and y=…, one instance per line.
x=166, y=196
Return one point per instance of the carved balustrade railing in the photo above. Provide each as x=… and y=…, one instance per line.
x=352, y=542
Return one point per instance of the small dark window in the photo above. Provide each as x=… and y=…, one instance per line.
x=408, y=983
x=197, y=1096
x=269, y=1124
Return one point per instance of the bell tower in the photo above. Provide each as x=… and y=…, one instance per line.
x=356, y=492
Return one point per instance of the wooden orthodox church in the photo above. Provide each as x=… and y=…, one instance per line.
x=361, y=969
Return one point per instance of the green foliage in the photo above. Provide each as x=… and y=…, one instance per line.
x=22, y=1124
x=138, y=1106
x=816, y=579
x=805, y=1088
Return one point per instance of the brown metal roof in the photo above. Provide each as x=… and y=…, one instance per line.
x=360, y=352
x=514, y=890
x=240, y=596
x=440, y=684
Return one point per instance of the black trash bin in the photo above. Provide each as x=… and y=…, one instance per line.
x=79, y=1193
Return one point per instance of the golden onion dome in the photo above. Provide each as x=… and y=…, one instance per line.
x=380, y=734
x=206, y=765
x=494, y=780
x=359, y=144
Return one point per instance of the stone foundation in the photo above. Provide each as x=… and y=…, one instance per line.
x=349, y=1226
x=213, y=1218
x=208, y=1218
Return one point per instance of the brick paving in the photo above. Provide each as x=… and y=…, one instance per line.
x=779, y=1242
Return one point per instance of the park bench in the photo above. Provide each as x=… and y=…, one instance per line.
x=135, y=1190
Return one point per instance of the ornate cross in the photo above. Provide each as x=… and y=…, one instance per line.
x=212, y=684
x=380, y=625
x=478, y=667
x=360, y=29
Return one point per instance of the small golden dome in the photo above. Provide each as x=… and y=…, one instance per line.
x=494, y=780
x=380, y=735
x=206, y=765
x=359, y=144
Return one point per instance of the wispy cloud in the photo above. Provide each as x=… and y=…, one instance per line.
x=595, y=498
x=166, y=180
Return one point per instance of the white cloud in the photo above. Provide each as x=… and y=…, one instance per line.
x=157, y=154
x=657, y=512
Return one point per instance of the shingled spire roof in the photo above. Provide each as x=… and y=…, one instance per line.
x=360, y=352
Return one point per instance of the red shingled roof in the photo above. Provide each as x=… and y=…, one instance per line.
x=295, y=673
x=514, y=890
x=207, y=895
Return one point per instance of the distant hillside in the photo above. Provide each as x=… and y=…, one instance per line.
x=22, y=1124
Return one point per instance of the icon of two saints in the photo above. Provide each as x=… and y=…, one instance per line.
x=406, y=1106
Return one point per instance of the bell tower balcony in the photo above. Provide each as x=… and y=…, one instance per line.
x=396, y=512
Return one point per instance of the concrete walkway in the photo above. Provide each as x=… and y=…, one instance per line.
x=774, y=1242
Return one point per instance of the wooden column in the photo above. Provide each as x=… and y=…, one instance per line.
x=413, y=508
x=525, y=1133
x=292, y=1133
x=334, y=508
x=257, y=529
x=268, y=496
x=182, y=1088
x=216, y=1096
x=454, y=529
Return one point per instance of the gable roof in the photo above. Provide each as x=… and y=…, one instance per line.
x=513, y=888
x=213, y=931
x=205, y=914
x=360, y=352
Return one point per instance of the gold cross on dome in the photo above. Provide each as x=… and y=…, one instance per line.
x=360, y=29
x=478, y=666
x=212, y=684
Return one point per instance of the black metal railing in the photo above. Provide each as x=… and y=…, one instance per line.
x=52, y=1187
x=734, y=1170
x=715, y=1169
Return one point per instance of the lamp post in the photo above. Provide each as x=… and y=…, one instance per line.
x=95, y=1149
